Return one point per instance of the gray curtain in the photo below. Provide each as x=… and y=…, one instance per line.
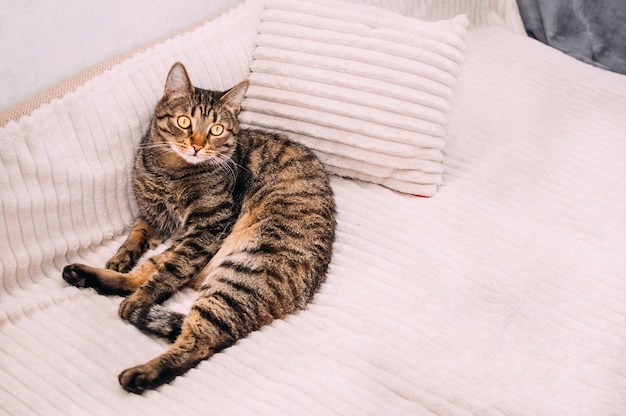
x=593, y=31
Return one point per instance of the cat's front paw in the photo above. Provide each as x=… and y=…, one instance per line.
x=79, y=275
x=104, y=281
x=122, y=262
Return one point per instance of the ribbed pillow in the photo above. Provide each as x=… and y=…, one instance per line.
x=366, y=88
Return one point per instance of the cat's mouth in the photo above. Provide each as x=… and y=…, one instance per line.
x=191, y=155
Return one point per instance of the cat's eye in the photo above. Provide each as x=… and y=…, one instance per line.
x=217, y=129
x=184, y=122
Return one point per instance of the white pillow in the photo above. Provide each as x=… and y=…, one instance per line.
x=368, y=90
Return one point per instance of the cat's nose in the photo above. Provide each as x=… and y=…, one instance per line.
x=196, y=147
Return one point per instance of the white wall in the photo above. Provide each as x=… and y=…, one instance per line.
x=43, y=42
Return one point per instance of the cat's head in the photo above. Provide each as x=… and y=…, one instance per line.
x=198, y=125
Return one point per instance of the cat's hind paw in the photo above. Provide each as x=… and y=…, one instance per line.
x=138, y=379
x=131, y=304
x=147, y=376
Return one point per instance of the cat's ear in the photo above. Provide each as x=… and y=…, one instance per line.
x=232, y=99
x=178, y=83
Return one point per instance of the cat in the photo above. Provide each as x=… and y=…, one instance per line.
x=251, y=218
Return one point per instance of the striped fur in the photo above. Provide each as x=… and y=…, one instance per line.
x=251, y=218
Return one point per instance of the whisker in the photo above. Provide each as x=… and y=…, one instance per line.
x=154, y=145
x=228, y=159
x=224, y=162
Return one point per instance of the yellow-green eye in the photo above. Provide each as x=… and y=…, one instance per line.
x=217, y=129
x=184, y=122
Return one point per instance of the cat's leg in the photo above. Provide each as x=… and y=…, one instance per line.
x=155, y=279
x=117, y=278
x=231, y=305
x=200, y=338
x=175, y=267
x=141, y=238
x=108, y=282
x=176, y=361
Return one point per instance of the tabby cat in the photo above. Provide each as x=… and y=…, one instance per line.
x=251, y=218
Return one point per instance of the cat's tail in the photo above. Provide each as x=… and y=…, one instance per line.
x=158, y=320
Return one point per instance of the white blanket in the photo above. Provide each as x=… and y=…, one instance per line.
x=504, y=294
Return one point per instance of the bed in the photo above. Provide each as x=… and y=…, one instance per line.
x=487, y=278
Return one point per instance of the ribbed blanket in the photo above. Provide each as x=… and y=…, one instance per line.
x=504, y=294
